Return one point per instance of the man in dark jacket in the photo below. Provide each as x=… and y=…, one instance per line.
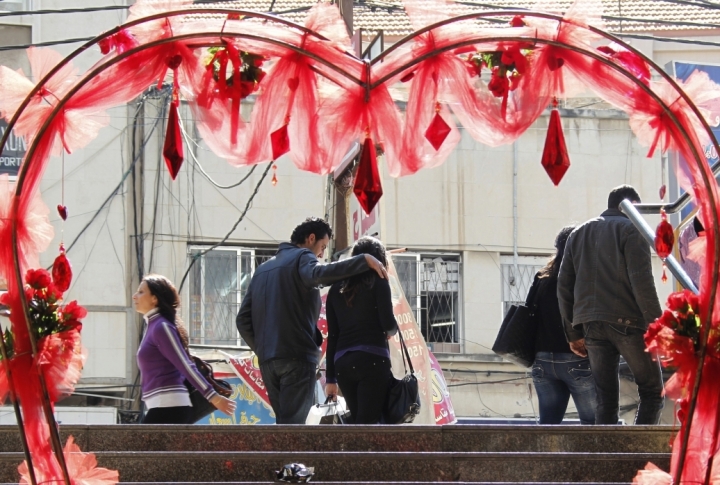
x=607, y=295
x=278, y=316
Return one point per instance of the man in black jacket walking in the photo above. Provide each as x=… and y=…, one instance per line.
x=607, y=295
x=278, y=316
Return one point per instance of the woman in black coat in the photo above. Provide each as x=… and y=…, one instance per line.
x=557, y=372
x=360, y=322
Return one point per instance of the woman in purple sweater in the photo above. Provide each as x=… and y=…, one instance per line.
x=163, y=358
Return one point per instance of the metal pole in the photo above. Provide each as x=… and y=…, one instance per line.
x=629, y=209
x=514, y=280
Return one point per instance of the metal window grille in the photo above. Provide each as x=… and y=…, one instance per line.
x=517, y=282
x=432, y=284
x=218, y=283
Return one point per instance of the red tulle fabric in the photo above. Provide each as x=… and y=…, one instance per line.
x=82, y=469
x=61, y=358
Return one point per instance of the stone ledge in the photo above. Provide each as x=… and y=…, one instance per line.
x=364, y=466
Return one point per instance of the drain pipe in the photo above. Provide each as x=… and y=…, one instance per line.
x=641, y=224
x=513, y=281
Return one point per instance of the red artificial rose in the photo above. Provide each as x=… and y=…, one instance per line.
x=672, y=347
x=29, y=293
x=513, y=56
x=667, y=319
x=38, y=278
x=52, y=294
x=499, y=84
x=651, y=335
x=683, y=302
x=62, y=272
x=73, y=325
x=72, y=311
x=474, y=68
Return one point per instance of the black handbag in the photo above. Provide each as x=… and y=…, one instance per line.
x=403, y=399
x=201, y=406
x=516, y=339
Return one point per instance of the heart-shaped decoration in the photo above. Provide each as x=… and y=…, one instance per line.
x=293, y=83
x=62, y=210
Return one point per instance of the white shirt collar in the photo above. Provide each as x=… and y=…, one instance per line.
x=149, y=314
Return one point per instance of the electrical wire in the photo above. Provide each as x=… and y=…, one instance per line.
x=199, y=254
x=391, y=8
x=123, y=178
x=63, y=10
x=44, y=44
x=188, y=141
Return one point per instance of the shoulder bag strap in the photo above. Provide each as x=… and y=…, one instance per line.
x=405, y=354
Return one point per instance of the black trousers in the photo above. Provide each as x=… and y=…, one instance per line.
x=364, y=379
x=173, y=415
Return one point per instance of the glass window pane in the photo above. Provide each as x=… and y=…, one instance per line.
x=406, y=267
x=220, y=297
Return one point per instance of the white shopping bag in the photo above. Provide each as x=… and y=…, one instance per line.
x=329, y=413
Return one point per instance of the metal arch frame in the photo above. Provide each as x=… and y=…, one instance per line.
x=368, y=85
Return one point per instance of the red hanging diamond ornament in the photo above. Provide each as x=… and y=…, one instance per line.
x=173, y=148
x=664, y=237
x=555, y=158
x=368, y=186
x=437, y=131
x=280, y=142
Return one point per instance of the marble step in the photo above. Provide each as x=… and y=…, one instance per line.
x=313, y=482
x=330, y=466
x=461, y=438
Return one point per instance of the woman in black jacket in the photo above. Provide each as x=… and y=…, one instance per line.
x=360, y=321
x=557, y=372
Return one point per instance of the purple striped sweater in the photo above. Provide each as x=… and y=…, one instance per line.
x=164, y=364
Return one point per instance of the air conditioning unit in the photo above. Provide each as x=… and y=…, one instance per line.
x=11, y=5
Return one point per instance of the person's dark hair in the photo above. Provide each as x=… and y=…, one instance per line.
x=168, y=302
x=620, y=193
x=311, y=225
x=364, y=245
x=552, y=268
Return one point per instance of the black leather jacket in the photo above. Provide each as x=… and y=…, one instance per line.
x=606, y=275
x=278, y=316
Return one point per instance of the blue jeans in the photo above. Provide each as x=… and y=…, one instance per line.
x=558, y=375
x=605, y=343
x=291, y=388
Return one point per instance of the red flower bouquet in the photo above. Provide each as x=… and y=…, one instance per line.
x=56, y=328
x=675, y=335
x=507, y=66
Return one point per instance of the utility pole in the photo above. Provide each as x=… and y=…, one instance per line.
x=346, y=10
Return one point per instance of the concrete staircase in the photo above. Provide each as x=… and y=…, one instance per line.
x=365, y=454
